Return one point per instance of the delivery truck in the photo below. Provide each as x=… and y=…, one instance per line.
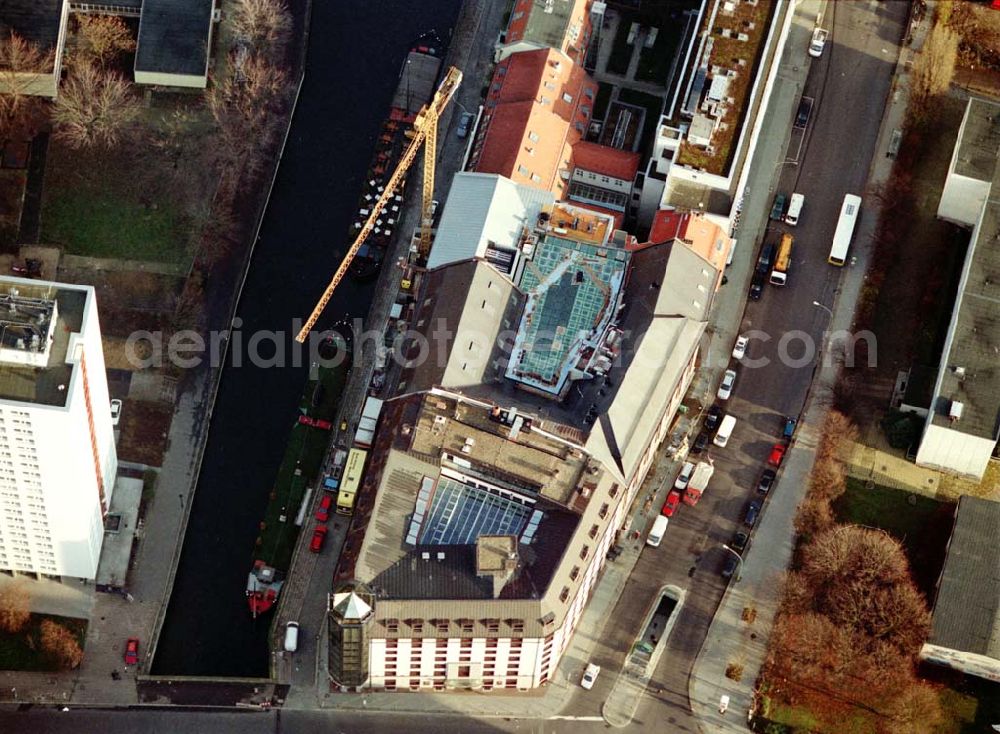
x=699, y=482
x=367, y=422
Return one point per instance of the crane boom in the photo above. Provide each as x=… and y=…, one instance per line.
x=424, y=129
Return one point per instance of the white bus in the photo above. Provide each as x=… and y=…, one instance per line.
x=845, y=230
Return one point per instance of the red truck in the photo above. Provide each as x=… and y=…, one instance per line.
x=699, y=482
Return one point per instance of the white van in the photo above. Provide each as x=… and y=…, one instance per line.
x=794, y=209
x=292, y=636
x=725, y=431
x=656, y=534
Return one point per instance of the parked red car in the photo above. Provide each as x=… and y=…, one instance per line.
x=320, y=423
x=132, y=651
x=673, y=499
x=323, y=512
x=777, y=454
x=319, y=535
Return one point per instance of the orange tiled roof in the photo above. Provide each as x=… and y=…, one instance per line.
x=695, y=231
x=606, y=161
x=539, y=105
x=702, y=235
x=668, y=224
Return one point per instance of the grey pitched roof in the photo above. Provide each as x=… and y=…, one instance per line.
x=36, y=21
x=967, y=608
x=174, y=37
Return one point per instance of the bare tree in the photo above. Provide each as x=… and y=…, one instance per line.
x=933, y=68
x=839, y=432
x=14, y=607
x=22, y=68
x=814, y=516
x=102, y=39
x=61, y=645
x=834, y=674
x=860, y=579
x=264, y=25
x=245, y=104
x=94, y=108
x=827, y=480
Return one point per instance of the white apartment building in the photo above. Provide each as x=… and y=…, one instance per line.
x=961, y=431
x=57, y=449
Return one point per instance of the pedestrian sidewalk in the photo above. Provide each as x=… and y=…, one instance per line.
x=740, y=630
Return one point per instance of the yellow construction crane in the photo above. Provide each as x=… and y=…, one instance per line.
x=424, y=134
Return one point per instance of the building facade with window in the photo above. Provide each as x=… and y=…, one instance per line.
x=57, y=448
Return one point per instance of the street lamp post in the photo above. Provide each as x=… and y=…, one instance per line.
x=817, y=304
x=739, y=561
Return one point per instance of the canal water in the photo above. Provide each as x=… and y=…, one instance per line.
x=355, y=52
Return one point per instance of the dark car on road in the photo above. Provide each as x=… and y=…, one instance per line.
x=789, y=429
x=766, y=481
x=713, y=419
x=760, y=275
x=753, y=511
x=700, y=443
x=802, y=115
x=730, y=566
x=778, y=207
x=739, y=541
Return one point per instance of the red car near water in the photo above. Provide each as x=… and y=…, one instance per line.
x=132, y=651
x=323, y=512
x=319, y=535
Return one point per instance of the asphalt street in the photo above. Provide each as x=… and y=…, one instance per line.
x=849, y=85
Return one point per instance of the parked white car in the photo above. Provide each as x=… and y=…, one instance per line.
x=818, y=42
x=726, y=388
x=740, y=349
x=590, y=675
x=684, y=477
x=116, y=411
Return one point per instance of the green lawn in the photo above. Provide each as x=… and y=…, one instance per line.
x=299, y=468
x=784, y=719
x=788, y=719
x=921, y=524
x=22, y=651
x=112, y=223
x=970, y=705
